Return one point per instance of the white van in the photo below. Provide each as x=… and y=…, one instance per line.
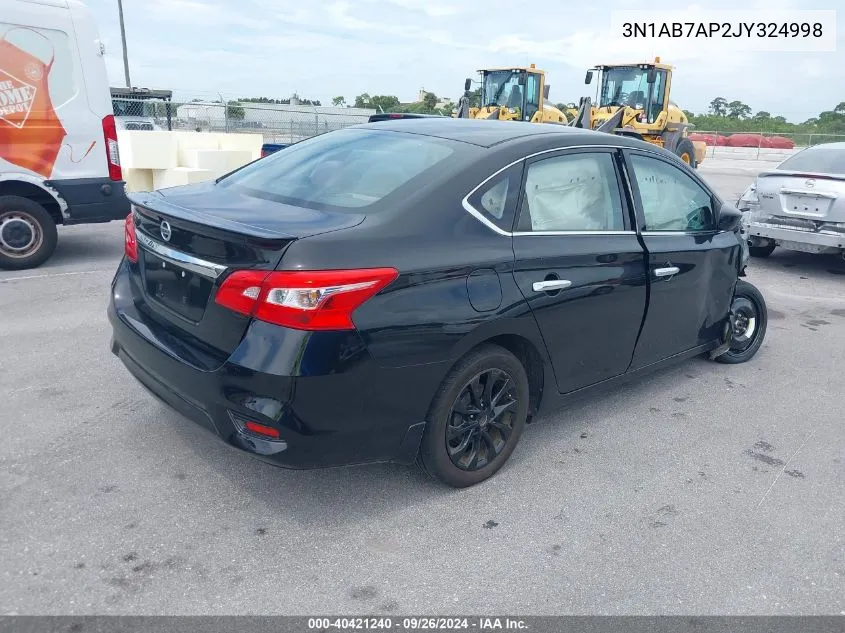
x=59, y=161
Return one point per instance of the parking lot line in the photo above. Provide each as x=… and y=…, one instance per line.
x=79, y=272
x=783, y=470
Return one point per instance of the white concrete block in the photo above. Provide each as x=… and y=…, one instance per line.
x=147, y=149
x=138, y=179
x=189, y=141
x=180, y=176
x=243, y=142
x=217, y=160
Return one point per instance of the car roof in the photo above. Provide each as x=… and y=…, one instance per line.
x=487, y=133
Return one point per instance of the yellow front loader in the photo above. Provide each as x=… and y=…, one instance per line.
x=633, y=99
x=511, y=94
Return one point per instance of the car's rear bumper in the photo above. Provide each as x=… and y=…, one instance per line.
x=797, y=239
x=344, y=415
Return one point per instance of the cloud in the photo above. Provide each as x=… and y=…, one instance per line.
x=325, y=48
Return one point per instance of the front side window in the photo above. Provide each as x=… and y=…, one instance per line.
x=576, y=192
x=346, y=169
x=671, y=199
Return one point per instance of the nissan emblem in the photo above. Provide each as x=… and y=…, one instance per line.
x=165, y=231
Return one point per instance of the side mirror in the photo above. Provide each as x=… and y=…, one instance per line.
x=589, y=77
x=467, y=84
x=546, y=91
x=652, y=75
x=729, y=217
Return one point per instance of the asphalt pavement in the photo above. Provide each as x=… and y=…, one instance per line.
x=704, y=489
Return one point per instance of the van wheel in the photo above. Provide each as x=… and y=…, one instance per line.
x=476, y=418
x=28, y=234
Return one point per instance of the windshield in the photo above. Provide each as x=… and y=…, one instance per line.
x=501, y=88
x=346, y=169
x=818, y=159
x=624, y=86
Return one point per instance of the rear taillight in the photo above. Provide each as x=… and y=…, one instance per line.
x=303, y=300
x=130, y=241
x=112, y=152
x=262, y=429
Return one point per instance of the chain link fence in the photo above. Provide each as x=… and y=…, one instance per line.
x=277, y=123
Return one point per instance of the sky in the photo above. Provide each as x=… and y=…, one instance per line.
x=326, y=48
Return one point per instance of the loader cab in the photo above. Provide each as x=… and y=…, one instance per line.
x=517, y=91
x=639, y=86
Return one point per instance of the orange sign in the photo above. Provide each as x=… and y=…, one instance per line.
x=31, y=133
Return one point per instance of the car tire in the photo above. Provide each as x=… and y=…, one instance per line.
x=463, y=403
x=28, y=234
x=747, y=303
x=762, y=251
x=686, y=152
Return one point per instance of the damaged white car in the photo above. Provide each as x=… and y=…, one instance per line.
x=799, y=205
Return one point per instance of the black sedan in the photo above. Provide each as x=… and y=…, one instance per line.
x=417, y=290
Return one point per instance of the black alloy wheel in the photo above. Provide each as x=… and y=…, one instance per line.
x=481, y=419
x=476, y=418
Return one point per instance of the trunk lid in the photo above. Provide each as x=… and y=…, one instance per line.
x=817, y=198
x=190, y=238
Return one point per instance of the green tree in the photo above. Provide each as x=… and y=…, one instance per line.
x=475, y=98
x=761, y=116
x=738, y=110
x=429, y=101
x=385, y=103
x=362, y=101
x=338, y=102
x=719, y=106
x=235, y=111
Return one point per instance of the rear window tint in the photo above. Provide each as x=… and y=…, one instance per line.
x=824, y=160
x=347, y=169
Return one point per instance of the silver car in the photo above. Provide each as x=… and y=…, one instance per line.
x=799, y=205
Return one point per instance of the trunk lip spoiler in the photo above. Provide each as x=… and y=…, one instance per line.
x=157, y=203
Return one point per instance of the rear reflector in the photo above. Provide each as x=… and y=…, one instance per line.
x=130, y=241
x=303, y=300
x=112, y=151
x=261, y=429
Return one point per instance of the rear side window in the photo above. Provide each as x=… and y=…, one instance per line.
x=347, y=169
x=575, y=192
x=497, y=199
x=819, y=159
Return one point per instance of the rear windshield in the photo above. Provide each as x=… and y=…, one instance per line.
x=822, y=160
x=346, y=169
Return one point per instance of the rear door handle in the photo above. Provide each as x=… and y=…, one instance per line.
x=666, y=272
x=551, y=284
